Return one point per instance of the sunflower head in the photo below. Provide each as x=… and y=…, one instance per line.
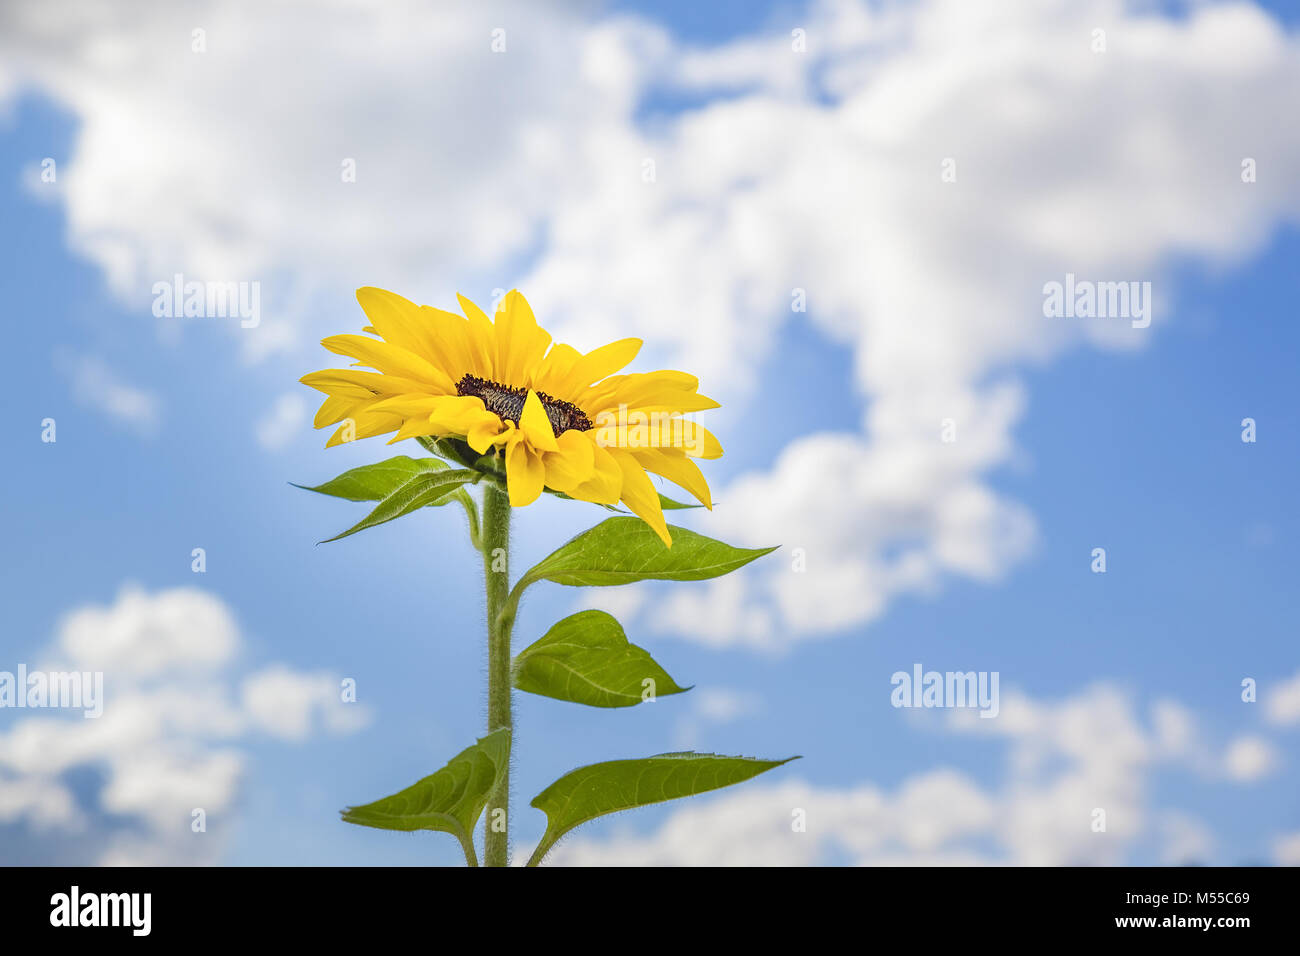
x=554, y=418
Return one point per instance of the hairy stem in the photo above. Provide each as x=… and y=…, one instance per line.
x=467, y=844
x=495, y=536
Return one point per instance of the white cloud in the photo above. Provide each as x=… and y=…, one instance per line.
x=1065, y=761
x=1250, y=758
x=717, y=614
x=1286, y=850
x=816, y=171
x=184, y=164
x=935, y=286
x=757, y=826
x=143, y=635
x=886, y=518
x=98, y=387
x=283, y=421
x=1282, y=701
x=44, y=803
x=290, y=705
x=171, y=736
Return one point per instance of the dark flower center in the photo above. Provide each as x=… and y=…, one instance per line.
x=508, y=404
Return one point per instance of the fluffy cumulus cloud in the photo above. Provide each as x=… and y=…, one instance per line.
x=1109, y=165
x=796, y=824
x=1073, y=788
x=913, y=174
x=176, y=718
x=411, y=148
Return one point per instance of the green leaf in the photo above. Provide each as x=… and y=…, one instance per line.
x=375, y=482
x=669, y=505
x=624, y=550
x=561, y=494
x=450, y=800
x=601, y=788
x=426, y=488
x=664, y=502
x=453, y=449
x=586, y=659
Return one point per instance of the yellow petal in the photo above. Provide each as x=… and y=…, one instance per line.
x=606, y=483
x=521, y=342
x=393, y=317
x=410, y=406
x=676, y=467
x=414, y=428
x=571, y=464
x=638, y=388
x=460, y=413
x=333, y=409
x=552, y=375
x=525, y=473
x=695, y=440
x=632, y=430
x=449, y=339
x=640, y=496
x=485, y=433
x=482, y=338
x=391, y=359
x=601, y=362
x=355, y=383
x=364, y=425
x=676, y=403
x=535, y=425
x=672, y=402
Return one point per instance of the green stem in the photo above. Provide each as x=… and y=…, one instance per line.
x=542, y=849
x=495, y=536
x=471, y=512
x=467, y=844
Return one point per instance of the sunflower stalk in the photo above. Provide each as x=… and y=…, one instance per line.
x=495, y=548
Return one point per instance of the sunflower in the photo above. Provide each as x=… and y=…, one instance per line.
x=561, y=420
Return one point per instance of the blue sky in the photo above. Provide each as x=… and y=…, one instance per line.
x=1132, y=446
